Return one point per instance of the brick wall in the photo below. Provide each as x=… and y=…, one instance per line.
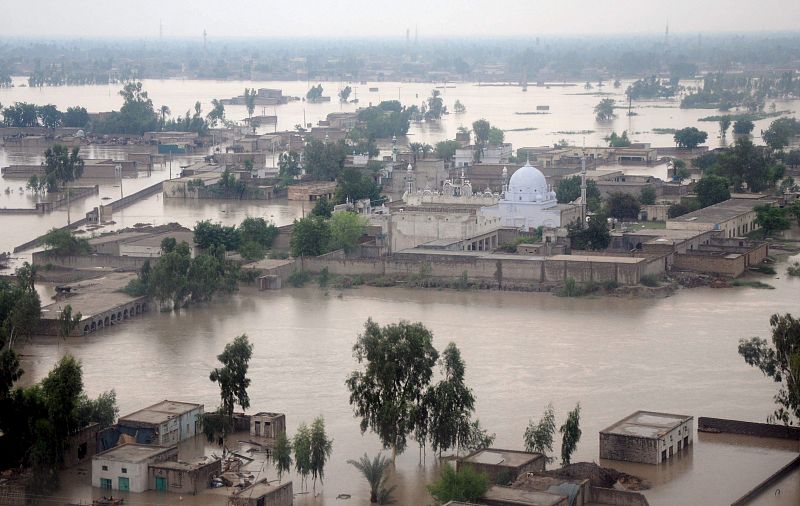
x=628, y=448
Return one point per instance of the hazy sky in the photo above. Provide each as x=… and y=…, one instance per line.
x=369, y=18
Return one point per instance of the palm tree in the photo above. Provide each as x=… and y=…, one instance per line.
x=164, y=112
x=426, y=150
x=374, y=470
x=416, y=148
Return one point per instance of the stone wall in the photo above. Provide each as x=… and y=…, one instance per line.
x=716, y=263
x=616, y=497
x=705, y=423
x=628, y=448
x=131, y=264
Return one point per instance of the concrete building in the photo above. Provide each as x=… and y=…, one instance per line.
x=269, y=425
x=310, y=192
x=150, y=245
x=125, y=467
x=182, y=477
x=165, y=423
x=261, y=493
x=528, y=202
x=647, y=437
x=733, y=217
x=508, y=496
x=503, y=465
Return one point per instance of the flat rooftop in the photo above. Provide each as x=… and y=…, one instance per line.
x=500, y=457
x=520, y=496
x=718, y=213
x=153, y=240
x=161, y=412
x=180, y=465
x=132, y=453
x=646, y=424
x=93, y=296
x=598, y=259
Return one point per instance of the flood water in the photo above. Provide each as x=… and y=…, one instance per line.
x=522, y=350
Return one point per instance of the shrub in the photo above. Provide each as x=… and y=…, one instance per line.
x=343, y=282
x=298, y=278
x=610, y=285
x=278, y=255
x=252, y=250
x=650, y=280
x=324, y=277
x=751, y=284
x=135, y=288
x=249, y=275
x=465, y=485
x=765, y=269
x=793, y=269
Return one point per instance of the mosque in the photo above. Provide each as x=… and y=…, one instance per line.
x=528, y=202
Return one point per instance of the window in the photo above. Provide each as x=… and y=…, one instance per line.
x=124, y=470
x=105, y=468
x=105, y=483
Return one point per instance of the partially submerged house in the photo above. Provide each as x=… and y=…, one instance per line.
x=165, y=423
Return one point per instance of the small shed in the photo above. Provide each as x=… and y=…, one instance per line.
x=261, y=493
x=503, y=465
x=183, y=477
x=268, y=425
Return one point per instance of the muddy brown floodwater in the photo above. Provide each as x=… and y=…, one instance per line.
x=522, y=350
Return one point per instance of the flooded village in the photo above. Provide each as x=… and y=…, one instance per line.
x=408, y=273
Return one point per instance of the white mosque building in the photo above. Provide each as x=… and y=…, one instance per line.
x=528, y=202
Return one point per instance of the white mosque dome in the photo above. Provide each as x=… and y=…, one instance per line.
x=528, y=184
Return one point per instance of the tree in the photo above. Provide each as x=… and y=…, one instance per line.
x=257, y=230
x=346, y=230
x=446, y=150
x=466, y=485
x=61, y=242
x=781, y=362
x=168, y=279
x=477, y=438
x=61, y=166
x=67, y=322
x=618, y=141
x=570, y=434
x=354, y=185
x=435, y=106
x=689, y=137
x=322, y=208
x=282, y=455
x=203, y=277
x=594, y=237
x=677, y=209
x=604, y=110
x=481, y=128
x=771, y=219
x=539, y=436
x=569, y=189
x=136, y=115
x=647, y=196
x=451, y=403
x=750, y=166
x=711, y=190
x=398, y=361
x=250, y=103
x=310, y=236
x=496, y=136
x=164, y=111
x=289, y=165
x=459, y=108
x=374, y=471
x=302, y=452
x=623, y=206
x=103, y=410
x=780, y=133
x=321, y=448
x=743, y=127
x=314, y=94
x=344, y=93
x=324, y=160
x=208, y=235
x=217, y=113
x=232, y=376
x=724, y=125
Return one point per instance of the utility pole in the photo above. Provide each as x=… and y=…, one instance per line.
x=118, y=169
x=583, y=190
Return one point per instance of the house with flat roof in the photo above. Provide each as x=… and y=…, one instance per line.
x=125, y=467
x=165, y=423
x=269, y=425
x=647, y=437
x=183, y=477
x=733, y=217
x=503, y=465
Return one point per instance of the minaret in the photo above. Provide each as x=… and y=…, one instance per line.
x=583, y=190
x=505, y=181
x=409, y=180
x=394, y=148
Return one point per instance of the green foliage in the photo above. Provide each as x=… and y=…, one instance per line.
x=706, y=161
x=314, y=93
x=781, y=362
x=481, y=128
x=496, y=136
x=752, y=284
x=650, y=87
x=344, y=93
x=689, y=137
x=374, y=471
x=252, y=250
x=618, y=141
x=650, y=280
x=623, y=206
x=324, y=160
x=743, y=127
x=765, y=269
x=61, y=166
x=232, y=376
x=282, y=455
x=250, y=100
x=103, y=410
x=355, y=185
x=570, y=434
x=793, y=269
x=346, y=230
x=569, y=189
x=724, y=125
x=711, y=190
x=647, y=196
x=398, y=361
x=208, y=235
x=771, y=219
x=21, y=115
x=322, y=208
x=385, y=120
x=477, y=438
x=780, y=133
x=450, y=403
x=604, y=110
x=446, y=150
x=436, y=106
x=538, y=437
x=168, y=278
x=310, y=236
x=203, y=277
x=466, y=485
x=595, y=236
x=136, y=116
x=321, y=449
x=572, y=288
x=458, y=107
x=678, y=209
x=61, y=242
x=298, y=278
x=193, y=121
x=289, y=165
x=258, y=230
x=301, y=443
x=67, y=322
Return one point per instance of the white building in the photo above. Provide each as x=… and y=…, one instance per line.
x=125, y=467
x=529, y=202
x=166, y=423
